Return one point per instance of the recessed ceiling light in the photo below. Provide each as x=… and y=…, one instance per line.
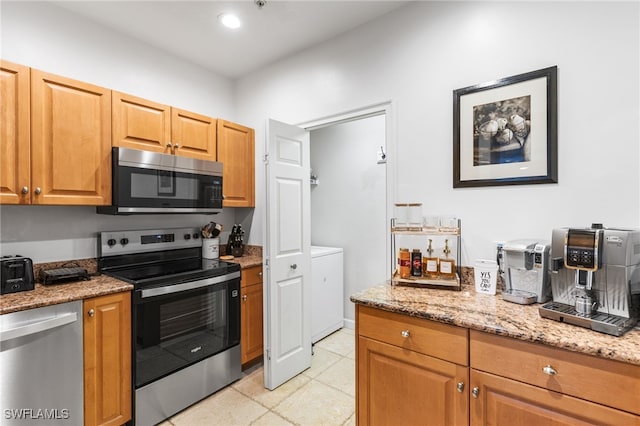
x=229, y=20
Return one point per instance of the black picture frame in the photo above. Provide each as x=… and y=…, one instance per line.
x=505, y=132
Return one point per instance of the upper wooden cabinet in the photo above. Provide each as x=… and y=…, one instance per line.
x=15, y=138
x=70, y=141
x=236, y=151
x=146, y=125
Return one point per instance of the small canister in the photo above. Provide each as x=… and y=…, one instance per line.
x=404, y=263
x=416, y=263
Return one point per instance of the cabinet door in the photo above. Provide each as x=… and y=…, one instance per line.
x=107, y=359
x=141, y=124
x=251, y=323
x=193, y=135
x=70, y=141
x=15, y=138
x=396, y=386
x=236, y=151
x=501, y=401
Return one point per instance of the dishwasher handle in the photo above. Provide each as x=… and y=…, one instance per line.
x=38, y=327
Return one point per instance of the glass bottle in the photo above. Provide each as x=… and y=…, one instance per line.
x=430, y=263
x=447, y=267
x=404, y=263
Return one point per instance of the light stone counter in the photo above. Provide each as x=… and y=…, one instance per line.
x=491, y=314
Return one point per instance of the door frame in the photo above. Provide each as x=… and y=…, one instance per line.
x=383, y=108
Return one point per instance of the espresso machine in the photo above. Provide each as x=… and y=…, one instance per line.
x=524, y=267
x=595, y=278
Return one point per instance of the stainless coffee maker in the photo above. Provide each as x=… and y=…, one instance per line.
x=595, y=278
x=524, y=267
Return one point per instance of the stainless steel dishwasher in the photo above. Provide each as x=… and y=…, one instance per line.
x=41, y=370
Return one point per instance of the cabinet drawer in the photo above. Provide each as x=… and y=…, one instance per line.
x=442, y=341
x=252, y=275
x=600, y=380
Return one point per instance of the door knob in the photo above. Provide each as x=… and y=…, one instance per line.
x=25, y=189
x=244, y=298
x=475, y=392
x=176, y=146
x=91, y=312
x=294, y=266
x=460, y=387
x=38, y=191
x=169, y=145
x=405, y=333
x=549, y=370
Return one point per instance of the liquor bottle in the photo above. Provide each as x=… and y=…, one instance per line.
x=430, y=263
x=404, y=262
x=447, y=267
x=416, y=263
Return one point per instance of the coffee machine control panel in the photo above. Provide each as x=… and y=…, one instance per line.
x=583, y=249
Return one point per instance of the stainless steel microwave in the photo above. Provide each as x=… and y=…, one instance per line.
x=145, y=182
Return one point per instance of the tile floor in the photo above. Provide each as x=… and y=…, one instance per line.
x=321, y=395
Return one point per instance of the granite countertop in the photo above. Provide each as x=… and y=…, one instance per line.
x=247, y=261
x=45, y=295
x=491, y=314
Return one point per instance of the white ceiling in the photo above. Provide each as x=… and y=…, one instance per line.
x=190, y=29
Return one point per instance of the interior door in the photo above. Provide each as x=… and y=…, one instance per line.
x=288, y=257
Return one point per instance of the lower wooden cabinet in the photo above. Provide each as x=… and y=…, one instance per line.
x=399, y=380
x=416, y=372
x=501, y=401
x=107, y=359
x=251, y=329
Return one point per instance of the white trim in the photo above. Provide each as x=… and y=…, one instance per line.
x=387, y=108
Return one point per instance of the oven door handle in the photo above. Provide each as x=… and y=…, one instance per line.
x=176, y=288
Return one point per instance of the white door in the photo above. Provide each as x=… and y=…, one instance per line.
x=288, y=257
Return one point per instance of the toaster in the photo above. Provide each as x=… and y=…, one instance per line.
x=16, y=274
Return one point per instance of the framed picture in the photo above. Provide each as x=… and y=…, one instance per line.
x=505, y=131
x=166, y=183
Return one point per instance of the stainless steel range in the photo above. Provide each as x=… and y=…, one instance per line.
x=186, y=317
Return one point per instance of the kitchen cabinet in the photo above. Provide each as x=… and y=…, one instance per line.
x=146, y=125
x=107, y=359
x=70, y=142
x=516, y=382
x=15, y=173
x=479, y=378
x=236, y=151
x=251, y=314
x=410, y=371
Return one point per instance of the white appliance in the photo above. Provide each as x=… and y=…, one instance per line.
x=327, y=291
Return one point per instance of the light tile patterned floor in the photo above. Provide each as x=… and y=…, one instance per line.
x=323, y=395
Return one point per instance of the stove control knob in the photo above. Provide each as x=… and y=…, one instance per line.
x=111, y=242
x=195, y=236
x=187, y=236
x=124, y=241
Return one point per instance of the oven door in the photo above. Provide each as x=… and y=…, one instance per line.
x=175, y=329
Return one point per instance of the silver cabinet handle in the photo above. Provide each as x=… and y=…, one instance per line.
x=460, y=387
x=176, y=146
x=405, y=333
x=294, y=266
x=169, y=145
x=475, y=392
x=260, y=274
x=244, y=298
x=38, y=191
x=91, y=312
x=549, y=370
x=25, y=189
